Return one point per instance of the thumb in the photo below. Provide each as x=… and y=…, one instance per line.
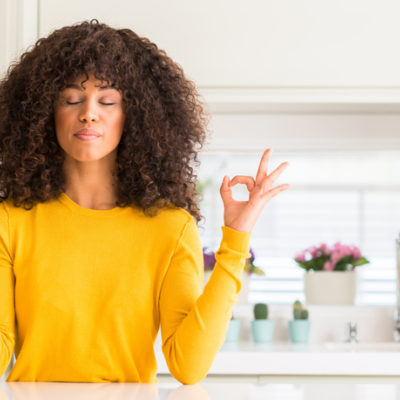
x=225, y=190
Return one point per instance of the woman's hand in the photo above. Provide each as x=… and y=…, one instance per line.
x=242, y=215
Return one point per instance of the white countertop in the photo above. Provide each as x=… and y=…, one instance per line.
x=248, y=358
x=201, y=391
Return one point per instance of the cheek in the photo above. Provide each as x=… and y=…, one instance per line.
x=60, y=120
x=119, y=122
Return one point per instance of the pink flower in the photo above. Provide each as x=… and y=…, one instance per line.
x=329, y=266
x=347, y=251
x=301, y=256
x=325, y=248
x=327, y=257
x=355, y=252
x=313, y=251
x=336, y=256
x=337, y=246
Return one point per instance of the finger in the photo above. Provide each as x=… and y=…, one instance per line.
x=273, y=176
x=225, y=191
x=273, y=192
x=262, y=169
x=246, y=180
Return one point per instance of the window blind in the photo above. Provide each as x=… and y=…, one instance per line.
x=349, y=197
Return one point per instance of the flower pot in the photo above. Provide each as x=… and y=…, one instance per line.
x=207, y=275
x=299, y=330
x=232, y=335
x=244, y=290
x=263, y=330
x=330, y=287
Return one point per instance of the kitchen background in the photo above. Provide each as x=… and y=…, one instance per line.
x=319, y=82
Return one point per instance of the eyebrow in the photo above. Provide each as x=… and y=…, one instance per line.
x=75, y=86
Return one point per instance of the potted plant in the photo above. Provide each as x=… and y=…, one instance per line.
x=330, y=277
x=232, y=334
x=262, y=328
x=299, y=327
x=209, y=263
x=249, y=269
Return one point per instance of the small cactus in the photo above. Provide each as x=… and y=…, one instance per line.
x=299, y=312
x=260, y=311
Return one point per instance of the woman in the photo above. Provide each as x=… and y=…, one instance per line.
x=99, y=245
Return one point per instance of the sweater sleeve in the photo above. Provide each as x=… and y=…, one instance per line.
x=7, y=280
x=194, y=324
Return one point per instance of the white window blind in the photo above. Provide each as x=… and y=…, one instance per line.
x=349, y=197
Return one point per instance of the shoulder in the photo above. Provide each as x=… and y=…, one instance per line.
x=175, y=218
x=8, y=207
x=174, y=224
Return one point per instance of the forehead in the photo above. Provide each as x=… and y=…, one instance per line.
x=82, y=82
x=83, y=87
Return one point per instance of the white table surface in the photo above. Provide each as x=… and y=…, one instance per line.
x=248, y=358
x=201, y=391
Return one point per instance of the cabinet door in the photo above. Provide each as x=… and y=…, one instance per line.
x=258, y=43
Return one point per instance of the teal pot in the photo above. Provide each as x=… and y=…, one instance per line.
x=232, y=335
x=263, y=330
x=299, y=330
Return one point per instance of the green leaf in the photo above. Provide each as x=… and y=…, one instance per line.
x=360, y=261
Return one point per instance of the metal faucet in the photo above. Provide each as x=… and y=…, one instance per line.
x=352, y=333
x=396, y=324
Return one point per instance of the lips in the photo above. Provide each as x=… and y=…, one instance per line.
x=87, y=132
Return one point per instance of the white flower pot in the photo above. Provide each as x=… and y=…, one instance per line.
x=207, y=275
x=330, y=287
x=243, y=295
x=244, y=291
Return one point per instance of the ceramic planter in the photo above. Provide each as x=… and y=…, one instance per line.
x=330, y=287
x=244, y=290
x=207, y=275
x=299, y=330
x=262, y=330
x=232, y=335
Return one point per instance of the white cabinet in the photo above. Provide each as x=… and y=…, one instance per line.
x=306, y=72
x=258, y=43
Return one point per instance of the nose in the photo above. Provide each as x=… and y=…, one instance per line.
x=88, y=113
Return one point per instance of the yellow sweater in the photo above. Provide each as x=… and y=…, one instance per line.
x=83, y=293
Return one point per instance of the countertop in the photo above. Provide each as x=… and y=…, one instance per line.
x=206, y=391
x=248, y=358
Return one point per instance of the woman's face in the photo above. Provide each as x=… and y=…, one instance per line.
x=97, y=108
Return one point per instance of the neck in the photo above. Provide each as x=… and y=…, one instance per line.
x=90, y=184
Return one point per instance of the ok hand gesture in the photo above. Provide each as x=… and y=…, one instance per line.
x=242, y=215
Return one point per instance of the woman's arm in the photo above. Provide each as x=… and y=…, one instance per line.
x=7, y=281
x=194, y=325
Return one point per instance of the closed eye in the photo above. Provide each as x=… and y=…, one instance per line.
x=104, y=104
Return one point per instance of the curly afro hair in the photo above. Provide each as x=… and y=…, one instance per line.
x=165, y=123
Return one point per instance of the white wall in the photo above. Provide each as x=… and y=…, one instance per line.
x=232, y=43
x=8, y=36
x=258, y=43
x=309, y=74
x=18, y=29
x=302, y=132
